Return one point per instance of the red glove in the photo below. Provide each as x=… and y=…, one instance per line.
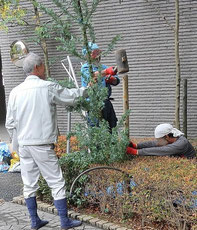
x=111, y=70
x=109, y=79
x=131, y=151
x=133, y=145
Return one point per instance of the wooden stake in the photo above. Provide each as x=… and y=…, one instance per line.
x=126, y=100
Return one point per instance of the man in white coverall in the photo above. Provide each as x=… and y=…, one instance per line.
x=31, y=113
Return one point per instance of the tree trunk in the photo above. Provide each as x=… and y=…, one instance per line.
x=85, y=39
x=46, y=57
x=177, y=59
x=43, y=43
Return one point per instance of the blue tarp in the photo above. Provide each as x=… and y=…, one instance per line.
x=4, y=154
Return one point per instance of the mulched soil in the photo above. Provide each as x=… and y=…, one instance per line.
x=132, y=223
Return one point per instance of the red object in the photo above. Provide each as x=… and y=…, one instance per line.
x=131, y=151
x=133, y=145
x=111, y=71
x=109, y=79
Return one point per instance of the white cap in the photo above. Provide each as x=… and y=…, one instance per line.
x=164, y=129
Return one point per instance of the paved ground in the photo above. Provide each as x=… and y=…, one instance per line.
x=10, y=185
x=4, y=137
x=15, y=217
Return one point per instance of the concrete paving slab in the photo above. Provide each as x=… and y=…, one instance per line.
x=15, y=217
x=4, y=136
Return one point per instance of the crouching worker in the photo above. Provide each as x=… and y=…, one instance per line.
x=31, y=114
x=169, y=142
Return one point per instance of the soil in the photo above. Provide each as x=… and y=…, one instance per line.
x=132, y=223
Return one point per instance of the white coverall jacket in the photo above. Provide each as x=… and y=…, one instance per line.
x=31, y=114
x=32, y=110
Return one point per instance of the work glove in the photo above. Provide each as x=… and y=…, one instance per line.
x=111, y=70
x=109, y=79
x=133, y=145
x=131, y=151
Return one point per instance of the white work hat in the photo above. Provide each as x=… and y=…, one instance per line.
x=164, y=129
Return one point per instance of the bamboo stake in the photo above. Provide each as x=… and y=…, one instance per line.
x=177, y=59
x=185, y=107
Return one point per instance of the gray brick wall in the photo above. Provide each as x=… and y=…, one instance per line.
x=149, y=43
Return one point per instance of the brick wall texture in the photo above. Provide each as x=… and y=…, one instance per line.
x=149, y=42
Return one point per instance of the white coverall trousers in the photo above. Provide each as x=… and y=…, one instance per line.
x=36, y=159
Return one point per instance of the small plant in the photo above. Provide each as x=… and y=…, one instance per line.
x=60, y=146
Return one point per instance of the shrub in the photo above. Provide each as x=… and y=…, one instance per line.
x=166, y=192
x=165, y=195
x=60, y=146
x=95, y=145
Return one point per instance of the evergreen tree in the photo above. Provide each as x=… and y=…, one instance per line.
x=98, y=145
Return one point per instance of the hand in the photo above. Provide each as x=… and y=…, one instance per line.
x=95, y=74
x=133, y=145
x=90, y=84
x=111, y=70
x=131, y=151
x=110, y=79
x=95, y=78
x=93, y=81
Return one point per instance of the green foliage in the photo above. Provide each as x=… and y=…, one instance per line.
x=99, y=145
x=72, y=165
x=96, y=144
x=41, y=32
x=11, y=13
x=66, y=83
x=44, y=192
x=73, y=14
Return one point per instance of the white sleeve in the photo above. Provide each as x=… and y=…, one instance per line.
x=65, y=96
x=10, y=122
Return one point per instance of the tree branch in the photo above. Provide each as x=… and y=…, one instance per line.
x=159, y=12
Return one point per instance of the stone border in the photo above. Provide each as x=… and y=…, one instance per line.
x=75, y=215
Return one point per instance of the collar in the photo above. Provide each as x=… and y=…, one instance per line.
x=31, y=77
